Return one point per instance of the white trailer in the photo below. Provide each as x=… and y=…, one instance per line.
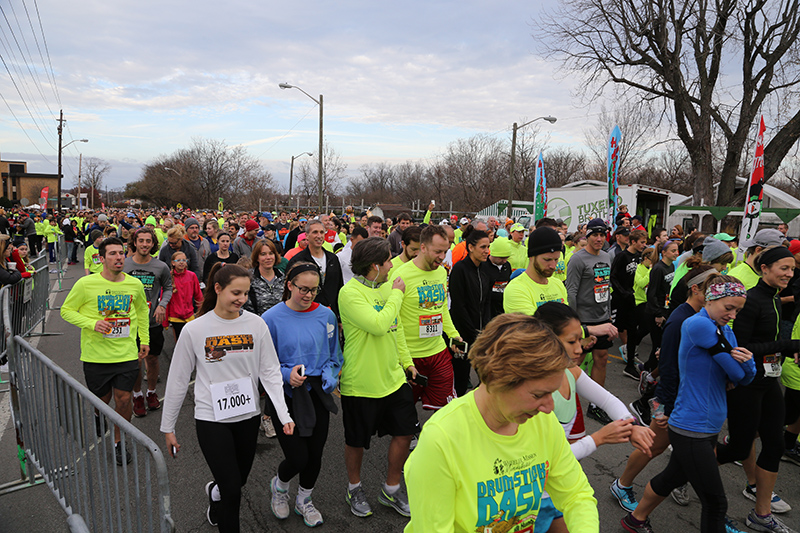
x=579, y=202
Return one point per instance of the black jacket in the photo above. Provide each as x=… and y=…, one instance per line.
x=623, y=271
x=499, y=277
x=470, y=299
x=658, y=290
x=756, y=327
x=332, y=280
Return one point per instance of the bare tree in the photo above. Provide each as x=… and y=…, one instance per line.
x=563, y=166
x=637, y=122
x=94, y=171
x=675, y=52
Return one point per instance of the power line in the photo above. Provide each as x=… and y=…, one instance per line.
x=51, y=80
x=287, y=133
x=23, y=129
x=47, y=51
x=26, y=104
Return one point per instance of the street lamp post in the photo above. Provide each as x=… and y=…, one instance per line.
x=60, y=149
x=319, y=170
x=291, y=173
x=549, y=119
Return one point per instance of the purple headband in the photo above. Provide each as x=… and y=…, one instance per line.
x=725, y=289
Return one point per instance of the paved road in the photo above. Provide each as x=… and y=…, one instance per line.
x=35, y=509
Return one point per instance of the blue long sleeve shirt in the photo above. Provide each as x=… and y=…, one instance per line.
x=701, y=405
x=309, y=338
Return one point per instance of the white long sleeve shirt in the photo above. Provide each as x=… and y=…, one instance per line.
x=221, y=351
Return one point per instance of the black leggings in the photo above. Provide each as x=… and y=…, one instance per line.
x=461, y=370
x=636, y=333
x=656, y=333
x=693, y=460
x=756, y=408
x=303, y=454
x=229, y=449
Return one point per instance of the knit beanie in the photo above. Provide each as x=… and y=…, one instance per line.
x=544, y=240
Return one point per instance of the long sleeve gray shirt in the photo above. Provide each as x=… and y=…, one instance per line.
x=589, y=286
x=157, y=280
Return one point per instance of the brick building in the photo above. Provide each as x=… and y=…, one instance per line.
x=18, y=184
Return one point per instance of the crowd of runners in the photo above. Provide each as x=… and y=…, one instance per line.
x=501, y=332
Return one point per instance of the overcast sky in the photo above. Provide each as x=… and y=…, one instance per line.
x=400, y=80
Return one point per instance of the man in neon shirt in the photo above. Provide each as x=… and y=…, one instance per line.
x=426, y=318
x=111, y=309
x=375, y=396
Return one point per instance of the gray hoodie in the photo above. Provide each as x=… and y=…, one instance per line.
x=589, y=286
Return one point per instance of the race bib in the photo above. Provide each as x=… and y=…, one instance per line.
x=430, y=326
x=772, y=366
x=601, y=293
x=96, y=259
x=499, y=286
x=120, y=328
x=233, y=398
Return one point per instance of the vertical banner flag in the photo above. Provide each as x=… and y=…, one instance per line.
x=755, y=191
x=613, y=171
x=45, y=194
x=540, y=196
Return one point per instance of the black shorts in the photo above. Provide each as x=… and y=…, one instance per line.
x=102, y=377
x=603, y=342
x=156, y=340
x=393, y=415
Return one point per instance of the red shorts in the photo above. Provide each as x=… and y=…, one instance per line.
x=438, y=368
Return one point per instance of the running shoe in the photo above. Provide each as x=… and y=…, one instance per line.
x=213, y=507
x=311, y=516
x=646, y=383
x=414, y=441
x=767, y=524
x=777, y=505
x=397, y=501
x=731, y=525
x=280, y=500
x=118, y=451
x=357, y=500
x=595, y=413
x=267, y=427
x=139, y=409
x=152, y=401
x=792, y=456
x=631, y=373
x=623, y=350
x=641, y=411
x=681, y=495
x=624, y=495
x=629, y=524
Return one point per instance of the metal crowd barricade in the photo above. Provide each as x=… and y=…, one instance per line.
x=29, y=300
x=67, y=434
x=61, y=261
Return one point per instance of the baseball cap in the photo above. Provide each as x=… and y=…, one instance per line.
x=517, y=227
x=444, y=222
x=544, y=240
x=622, y=230
x=464, y=220
x=501, y=233
x=596, y=225
x=766, y=238
x=270, y=227
x=151, y=220
x=500, y=248
x=302, y=237
x=250, y=225
x=724, y=237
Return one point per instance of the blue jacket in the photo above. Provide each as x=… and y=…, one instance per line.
x=311, y=339
x=701, y=405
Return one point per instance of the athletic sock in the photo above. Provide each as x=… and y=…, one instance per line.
x=789, y=439
x=151, y=391
x=303, y=495
x=282, y=486
x=635, y=521
x=351, y=487
x=391, y=489
x=620, y=485
x=215, y=494
x=137, y=394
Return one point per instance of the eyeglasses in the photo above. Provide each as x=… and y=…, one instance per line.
x=306, y=290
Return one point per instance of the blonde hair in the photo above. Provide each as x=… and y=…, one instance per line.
x=176, y=232
x=515, y=348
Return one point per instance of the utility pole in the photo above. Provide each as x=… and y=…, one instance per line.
x=80, y=164
x=320, y=154
x=60, y=128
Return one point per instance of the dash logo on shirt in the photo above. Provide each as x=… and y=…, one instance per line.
x=507, y=502
x=114, y=304
x=431, y=296
x=217, y=348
